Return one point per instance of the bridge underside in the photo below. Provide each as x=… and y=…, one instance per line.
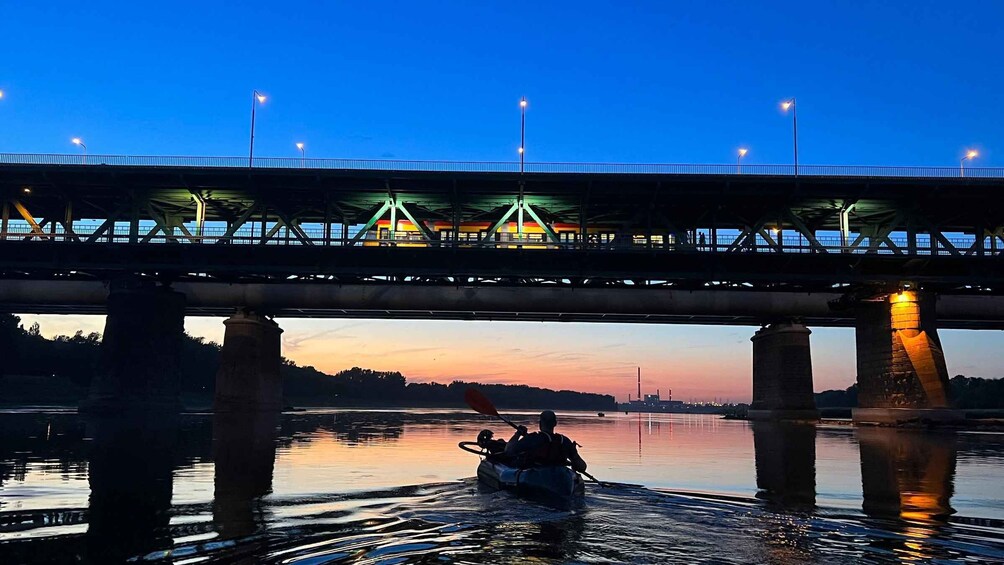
x=654, y=305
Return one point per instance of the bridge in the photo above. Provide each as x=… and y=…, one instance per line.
x=894, y=252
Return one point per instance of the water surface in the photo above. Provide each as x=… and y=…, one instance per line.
x=391, y=486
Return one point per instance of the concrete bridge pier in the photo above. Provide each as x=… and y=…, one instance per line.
x=140, y=350
x=902, y=375
x=782, y=373
x=248, y=378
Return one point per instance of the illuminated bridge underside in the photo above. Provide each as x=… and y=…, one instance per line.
x=406, y=301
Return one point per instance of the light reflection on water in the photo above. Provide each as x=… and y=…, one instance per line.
x=373, y=486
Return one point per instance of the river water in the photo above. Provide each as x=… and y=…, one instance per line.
x=338, y=486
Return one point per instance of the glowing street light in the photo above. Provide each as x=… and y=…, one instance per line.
x=742, y=153
x=78, y=142
x=1, y=94
x=522, y=132
x=786, y=105
x=256, y=99
x=970, y=155
x=303, y=152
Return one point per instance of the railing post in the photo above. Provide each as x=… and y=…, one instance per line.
x=6, y=219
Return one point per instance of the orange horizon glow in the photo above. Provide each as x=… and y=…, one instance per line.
x=699, y=363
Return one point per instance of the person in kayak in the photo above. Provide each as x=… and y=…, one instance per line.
x=544, y=447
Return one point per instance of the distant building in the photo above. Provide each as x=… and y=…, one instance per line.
x=652, y=403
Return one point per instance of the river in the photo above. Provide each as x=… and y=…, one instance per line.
x=341, y=486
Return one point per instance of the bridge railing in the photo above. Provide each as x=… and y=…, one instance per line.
x=497, y=166
x=794, y=243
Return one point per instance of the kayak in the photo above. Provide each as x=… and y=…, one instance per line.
x=549, y=482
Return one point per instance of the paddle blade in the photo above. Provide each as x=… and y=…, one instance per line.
x=479, y=402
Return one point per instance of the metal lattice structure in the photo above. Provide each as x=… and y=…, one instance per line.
x=476, y=224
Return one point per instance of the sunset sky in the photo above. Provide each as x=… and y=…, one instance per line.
x=696, y=362
x=897, y=83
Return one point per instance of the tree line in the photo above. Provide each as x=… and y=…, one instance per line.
x=34, y=369
x=969, y=393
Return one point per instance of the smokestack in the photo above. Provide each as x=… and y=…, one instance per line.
x=658, y=394
x=639, y=383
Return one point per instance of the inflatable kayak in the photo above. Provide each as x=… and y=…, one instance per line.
x=549, y=482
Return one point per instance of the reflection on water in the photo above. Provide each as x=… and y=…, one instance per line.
x=786, y=463
x=130, y=468
x=244, y=458
x=908, y=474
x=331, y=486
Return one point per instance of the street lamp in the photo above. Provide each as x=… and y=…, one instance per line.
x=970, y=155
x=742, y=153
x=522, y=132
x=256, y=98
x=303, y=153
x=78, y=142
x=786, y=105
x=1, y=94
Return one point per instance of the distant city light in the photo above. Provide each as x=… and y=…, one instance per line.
x=27, y=190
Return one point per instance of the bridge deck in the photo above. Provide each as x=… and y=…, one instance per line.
x=587, y=226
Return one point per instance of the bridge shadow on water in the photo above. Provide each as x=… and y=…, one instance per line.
x=134, y=510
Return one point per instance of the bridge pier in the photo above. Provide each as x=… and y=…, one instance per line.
x=782, y=373
x=902, y=375
x=139, y=351
x=248, y=378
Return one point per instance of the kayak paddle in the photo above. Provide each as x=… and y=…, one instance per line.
x=480, y=404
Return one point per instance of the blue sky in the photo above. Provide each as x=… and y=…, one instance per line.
x=880, y=83
x=904, y=83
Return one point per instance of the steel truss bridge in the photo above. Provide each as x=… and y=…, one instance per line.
x=298, y=230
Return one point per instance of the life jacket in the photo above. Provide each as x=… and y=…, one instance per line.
x=550, y=453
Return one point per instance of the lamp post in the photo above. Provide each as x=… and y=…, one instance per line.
x=78, y=142
x=970, y=155
x=790, y=104
x=742, y=153
x=522, y=131
x=256, y=98
x=303, y=154
x=522, y=153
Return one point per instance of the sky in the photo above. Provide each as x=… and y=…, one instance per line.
x=875, y=83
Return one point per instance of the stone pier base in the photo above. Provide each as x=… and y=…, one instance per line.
x=248, y=378
x=902, y=375
x=782, y=374
x=140, y=351
x=894, y=416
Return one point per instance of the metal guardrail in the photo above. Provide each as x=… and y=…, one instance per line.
x=500, y=166
x=790, y=244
